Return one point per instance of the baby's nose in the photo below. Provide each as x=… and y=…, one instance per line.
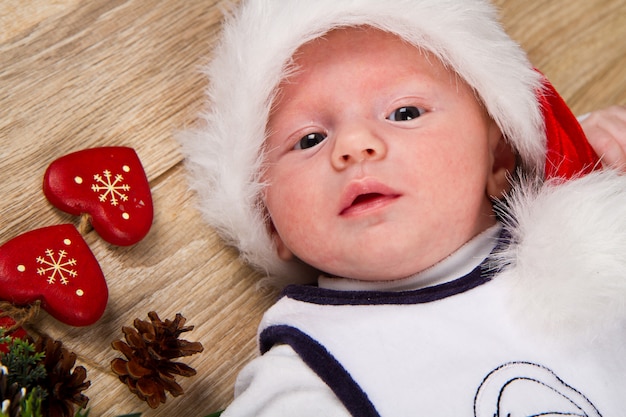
x=355, y=146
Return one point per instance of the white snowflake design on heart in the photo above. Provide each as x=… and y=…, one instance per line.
x=110, y=187
x=57, y=264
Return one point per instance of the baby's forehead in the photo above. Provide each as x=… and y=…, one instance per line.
x=371, y=46
x=353, y=36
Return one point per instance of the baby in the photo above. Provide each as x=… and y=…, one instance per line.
x=410, y=162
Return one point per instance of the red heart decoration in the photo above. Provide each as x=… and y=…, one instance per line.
x=19, y=333
x=54, y=264
x=107, y=183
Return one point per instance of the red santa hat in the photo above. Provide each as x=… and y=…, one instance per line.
x=568, y=153
x=225, y=154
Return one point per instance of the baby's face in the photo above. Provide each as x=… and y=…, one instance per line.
x=380, y=160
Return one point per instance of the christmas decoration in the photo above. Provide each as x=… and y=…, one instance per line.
x=9, y=326
x=110, y=185
x=41, y=374
x=63, y=385
x=150, y=347
x=10, y=395
x=23, y=363
x=53, y=268
x=54, y=265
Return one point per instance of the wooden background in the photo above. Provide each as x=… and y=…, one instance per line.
x=76, y=74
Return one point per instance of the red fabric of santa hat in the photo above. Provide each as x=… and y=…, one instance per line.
x=568, y=153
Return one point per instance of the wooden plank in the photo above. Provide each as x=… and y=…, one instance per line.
x=104, y=73
x=17, y=16
x=78, y=74
x=127, y=73
x=579, y=45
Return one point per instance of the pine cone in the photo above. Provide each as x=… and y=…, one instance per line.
x=11, y=393
x=149, y=370
x=63, y=386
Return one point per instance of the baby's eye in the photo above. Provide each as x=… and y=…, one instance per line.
x=310, y=140
x=404, y=114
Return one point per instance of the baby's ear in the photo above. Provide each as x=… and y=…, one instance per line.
x=503, y=165
x=283, y=252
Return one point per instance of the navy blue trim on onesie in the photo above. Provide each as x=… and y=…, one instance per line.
x=324, y=296
x=324, y=364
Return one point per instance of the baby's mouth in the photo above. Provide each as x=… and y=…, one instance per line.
x=365, y=198
x=366, y=201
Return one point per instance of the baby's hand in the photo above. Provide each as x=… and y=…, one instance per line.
x=606, y=132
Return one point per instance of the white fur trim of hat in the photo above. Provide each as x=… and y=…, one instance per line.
x=224, y=154
x=566, y=259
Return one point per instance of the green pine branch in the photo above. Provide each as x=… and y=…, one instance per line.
x=24, y=363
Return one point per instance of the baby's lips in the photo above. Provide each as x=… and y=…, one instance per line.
x=55, y=266
x=107, y=183
x=365, y=190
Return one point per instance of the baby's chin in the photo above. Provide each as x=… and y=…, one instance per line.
x=387, y=274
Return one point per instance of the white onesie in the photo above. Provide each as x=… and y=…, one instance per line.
x=450, y=349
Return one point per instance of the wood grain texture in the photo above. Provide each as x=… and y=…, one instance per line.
x=77, y=74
